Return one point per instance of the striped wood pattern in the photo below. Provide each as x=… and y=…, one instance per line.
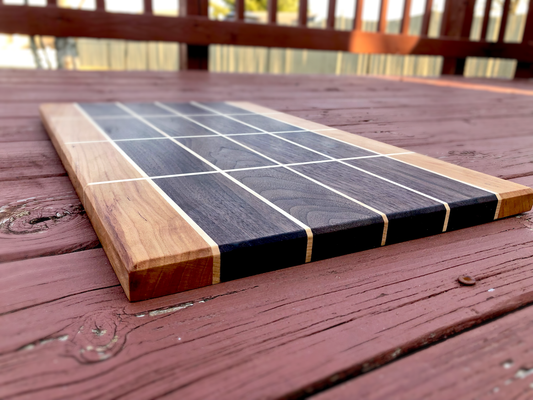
x=183, y=195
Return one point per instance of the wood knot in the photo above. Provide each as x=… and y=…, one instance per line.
x=38, y=214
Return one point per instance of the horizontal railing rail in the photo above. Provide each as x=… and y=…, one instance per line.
x=195, y=31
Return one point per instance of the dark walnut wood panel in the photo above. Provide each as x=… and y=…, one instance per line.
x=201, y=344
x=245, y=225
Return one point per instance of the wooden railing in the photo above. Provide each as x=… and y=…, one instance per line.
x=195, y=31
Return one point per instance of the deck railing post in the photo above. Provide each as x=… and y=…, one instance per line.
x=302, y=13
x=525, y=69
x=272, y=11
x=456, y=23
x=194, y=57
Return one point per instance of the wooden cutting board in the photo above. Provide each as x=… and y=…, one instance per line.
x=184, y=195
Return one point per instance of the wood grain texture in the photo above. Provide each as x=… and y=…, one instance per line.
x=240, y=223
x=354, y=312
x=252, y=236
x=42, y=217
x=151, y=257
x=224, y=153
x=515, y=198
x=339, y=225
x=297, y=330
x=28, y=283
x=494, y=361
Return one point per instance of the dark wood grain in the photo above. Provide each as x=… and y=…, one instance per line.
x=224, y=125
x=178, y=126
x=224, y=153
x=410, y=215
x=252, y=237
x=469, y=205
x=266, y=123
x=162, y=157
x=127, y=128
x=188, y=109
x=103, y=110
x=339, y=226
x=325, y=145
x=145, y=109
x=277, y=149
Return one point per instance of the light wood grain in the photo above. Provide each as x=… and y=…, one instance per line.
x=153, y=250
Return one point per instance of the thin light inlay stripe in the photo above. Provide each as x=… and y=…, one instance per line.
x=194, y=136
x=257, y=195
x=214, y=246
x=445, y=204
x=243, y=169
x=317, y=131
x=104, y=117
x=382, y=214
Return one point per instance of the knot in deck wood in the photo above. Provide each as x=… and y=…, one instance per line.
x=39, y=214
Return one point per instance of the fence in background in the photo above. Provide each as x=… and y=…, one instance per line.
x=333, y=50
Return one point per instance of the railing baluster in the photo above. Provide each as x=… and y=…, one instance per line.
x=503, y=23
x=194, y=56
x=49, y=3
x=239, y=10
x=272, y=11
x=148, y=7
x=427, y=18
x=331, y=14
x=100, y=5
x=486, y=19
x=445, y=17
x=382, y=24
x=525, y=69
x=302, y=13
x=406, y=19
x=358, y=17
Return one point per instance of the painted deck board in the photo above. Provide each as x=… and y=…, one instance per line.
x=275, y=338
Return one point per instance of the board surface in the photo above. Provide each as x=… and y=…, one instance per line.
x=184, y=195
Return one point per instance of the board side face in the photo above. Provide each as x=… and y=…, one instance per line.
x=515, y=198
x=151, y=258
x=184, y=195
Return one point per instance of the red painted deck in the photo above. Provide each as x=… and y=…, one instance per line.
x=389, y=322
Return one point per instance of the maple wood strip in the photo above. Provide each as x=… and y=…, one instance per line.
x=151, y=258
x=403, y=295
x=494, y=361
x=515, y=198
x=42, y=217
x=85, y=163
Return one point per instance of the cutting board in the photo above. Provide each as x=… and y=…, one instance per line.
x=184, y=195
